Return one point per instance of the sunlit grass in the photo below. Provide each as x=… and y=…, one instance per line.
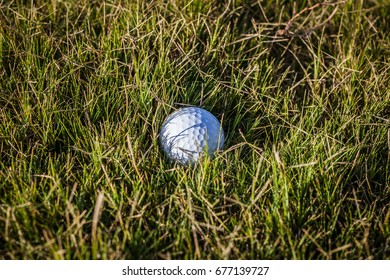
x=85, y=87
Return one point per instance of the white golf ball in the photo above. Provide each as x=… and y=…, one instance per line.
x=189, y=132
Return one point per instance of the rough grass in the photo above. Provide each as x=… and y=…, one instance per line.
x=86, y=85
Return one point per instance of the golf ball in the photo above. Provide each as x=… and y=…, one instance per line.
x=188, y=133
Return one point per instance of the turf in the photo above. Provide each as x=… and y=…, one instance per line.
x=302, y=92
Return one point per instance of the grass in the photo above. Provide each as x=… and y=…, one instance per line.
x=86, y=85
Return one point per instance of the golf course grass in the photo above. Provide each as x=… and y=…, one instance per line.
x=303, y=94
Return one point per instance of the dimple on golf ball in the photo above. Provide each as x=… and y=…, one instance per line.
x=188, y=133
